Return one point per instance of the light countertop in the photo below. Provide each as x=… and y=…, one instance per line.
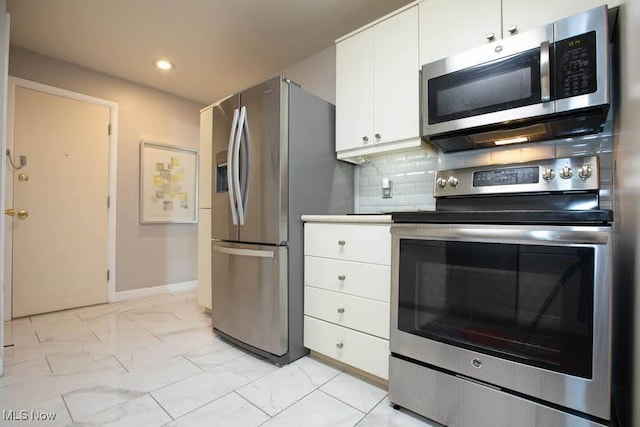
x=376, y=219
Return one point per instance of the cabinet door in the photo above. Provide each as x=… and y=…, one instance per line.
x=395, y=78
x=354, y=91
x=525, y=14
x=205, y=159
x=204, y=258
x=452, y=26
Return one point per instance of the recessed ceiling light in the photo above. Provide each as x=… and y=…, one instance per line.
x=163, y=64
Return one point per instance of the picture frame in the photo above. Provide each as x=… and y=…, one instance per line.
x=168, y=184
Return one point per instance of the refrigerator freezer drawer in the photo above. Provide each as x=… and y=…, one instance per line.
x=250, y=294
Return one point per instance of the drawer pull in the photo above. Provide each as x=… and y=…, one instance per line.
x=342, y=277
x=341, y=242
x=341, y=310
x=339, y=345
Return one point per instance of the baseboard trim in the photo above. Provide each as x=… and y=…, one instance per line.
x=156, y=290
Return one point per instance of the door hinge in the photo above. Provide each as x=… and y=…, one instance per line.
x=109, y=129
x=108, y=274
x=108, y=202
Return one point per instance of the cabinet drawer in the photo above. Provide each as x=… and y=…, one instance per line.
x=365, y=352
x=371, y=317
x=354, y=278
x=364, y=243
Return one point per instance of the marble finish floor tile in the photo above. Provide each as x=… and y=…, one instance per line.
x=25, y=371
x=214, y=354
x=27, y=393
x=358, y=393
x=228, y=411
x=91, y=312
x=156, y=361
x=121, y=388
x=143, y=411
x=281, y=388
x=65, y=364
x=191, y=393
x=318, y=409
x=122, y=341
x=383, y=415
x=51, y=412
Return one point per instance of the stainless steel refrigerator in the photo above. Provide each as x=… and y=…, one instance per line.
x=274, y=160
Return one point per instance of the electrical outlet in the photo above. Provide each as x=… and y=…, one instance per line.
x=386, y=188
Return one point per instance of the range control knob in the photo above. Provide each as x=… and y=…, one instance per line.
x=566, y=172
x=548, y=174
x=453, y=181
x=441, y=182
x=585, y=172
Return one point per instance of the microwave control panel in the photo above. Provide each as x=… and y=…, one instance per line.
x=575, y=64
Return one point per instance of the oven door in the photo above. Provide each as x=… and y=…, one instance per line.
x=508, y=80
x=523, y=308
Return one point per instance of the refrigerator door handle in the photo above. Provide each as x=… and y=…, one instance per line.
x=244, y=252
x=231, y=189
x=247, y=172
x=236, y=165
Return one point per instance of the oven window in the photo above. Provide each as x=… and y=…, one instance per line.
x=495, y=86
x=527, y=303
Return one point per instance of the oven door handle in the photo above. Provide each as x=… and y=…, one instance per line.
x=545, y=72
x=501, y=235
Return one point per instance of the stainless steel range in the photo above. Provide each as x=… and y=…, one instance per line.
x=501, y=298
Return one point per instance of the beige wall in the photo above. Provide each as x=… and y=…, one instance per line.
x=146, y=255
x=316, y=74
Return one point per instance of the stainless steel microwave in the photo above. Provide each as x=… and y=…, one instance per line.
x=550, y=82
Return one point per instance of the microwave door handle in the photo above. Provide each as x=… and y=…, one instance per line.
x=236, y=166
x=230, y=167
x=545, y=73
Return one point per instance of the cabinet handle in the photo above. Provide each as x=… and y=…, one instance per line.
x=339, y=345
x=490, y=36
x=378, y=136
x=341, y=277
x=341, y=242
x=365, y=138
x=341, y=310
x=513, y=29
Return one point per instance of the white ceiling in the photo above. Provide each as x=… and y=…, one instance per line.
x=218, y=46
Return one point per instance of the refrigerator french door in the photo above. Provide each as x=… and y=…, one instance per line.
x=274, y=160
x=250, y=150
x=249, y=221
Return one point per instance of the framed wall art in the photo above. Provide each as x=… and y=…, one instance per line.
x=168, y=184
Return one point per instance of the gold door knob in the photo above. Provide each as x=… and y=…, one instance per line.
x=23, y=214
x=10, y=212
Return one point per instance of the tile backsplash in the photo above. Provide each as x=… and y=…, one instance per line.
x=412, y=172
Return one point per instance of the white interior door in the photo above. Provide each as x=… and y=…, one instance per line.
x=60, y=248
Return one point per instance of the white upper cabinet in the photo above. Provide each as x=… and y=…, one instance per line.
x=522, y=15
x=354, y=91
x=377, y=88
x=448, y=27
x=452, y=26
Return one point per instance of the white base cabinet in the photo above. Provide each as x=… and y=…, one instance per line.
x=347, y=291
